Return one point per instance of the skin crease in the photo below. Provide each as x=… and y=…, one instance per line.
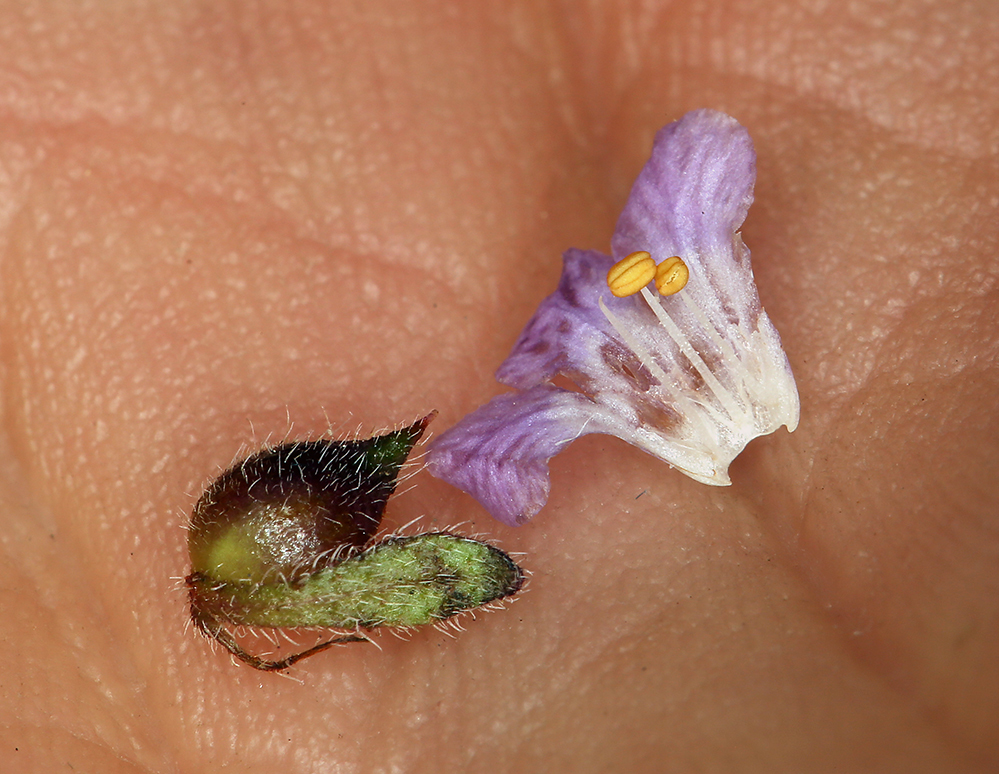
x=227, y=222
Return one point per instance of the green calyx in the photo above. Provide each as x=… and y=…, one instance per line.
x=285, y=510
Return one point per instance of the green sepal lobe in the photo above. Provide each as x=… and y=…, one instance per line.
x=288, y=510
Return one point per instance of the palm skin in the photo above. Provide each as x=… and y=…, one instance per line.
x=223, y=224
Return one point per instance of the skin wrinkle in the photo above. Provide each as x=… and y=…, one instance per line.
x=269, y=144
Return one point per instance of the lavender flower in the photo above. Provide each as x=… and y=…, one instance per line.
x=690, y=371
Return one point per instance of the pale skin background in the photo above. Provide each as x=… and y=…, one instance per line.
x=219, y=217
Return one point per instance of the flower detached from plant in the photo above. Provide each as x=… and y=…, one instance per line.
x=664, y=345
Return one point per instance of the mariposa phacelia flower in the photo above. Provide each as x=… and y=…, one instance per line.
x=689, y=371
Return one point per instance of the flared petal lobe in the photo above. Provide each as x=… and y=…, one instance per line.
x=690, y=378
x=693, y=193
x=500, y=453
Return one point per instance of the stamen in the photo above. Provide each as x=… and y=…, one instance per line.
x=636, y=346
x=631, y=274
x=751, y=383
x=724, y=396
x=671, y=276
x=670, y=385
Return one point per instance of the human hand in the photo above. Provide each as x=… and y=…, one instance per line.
x=223, y=224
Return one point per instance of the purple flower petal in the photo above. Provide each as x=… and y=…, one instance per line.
x=568, y=329
x=690, y=378
x=690, y=200
x=500, y=453
x=700, y=175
